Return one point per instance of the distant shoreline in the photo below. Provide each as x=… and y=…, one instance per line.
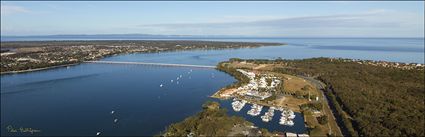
x=87, y=37
x=37, y=69
x=113, y=47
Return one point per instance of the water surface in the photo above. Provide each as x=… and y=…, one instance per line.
x=78, y=100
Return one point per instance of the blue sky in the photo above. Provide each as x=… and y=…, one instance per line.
x=285, y=19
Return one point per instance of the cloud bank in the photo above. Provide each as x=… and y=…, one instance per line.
x=10, y=9
x=372, y=23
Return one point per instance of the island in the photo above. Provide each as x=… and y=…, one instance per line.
x=23, y=56
x=337, y=97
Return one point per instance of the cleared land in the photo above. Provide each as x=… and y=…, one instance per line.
x=296, y=93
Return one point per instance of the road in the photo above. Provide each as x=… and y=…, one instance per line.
x=153, y=64
x=321, y=86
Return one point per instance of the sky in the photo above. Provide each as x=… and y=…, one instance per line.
x=241, y=18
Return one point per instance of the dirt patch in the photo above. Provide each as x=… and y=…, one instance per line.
x=290, y=102
x=293, y=84
x=260, y=66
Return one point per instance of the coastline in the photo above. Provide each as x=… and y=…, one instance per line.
x=38, y=69
x=172, y=49
x=223, y=93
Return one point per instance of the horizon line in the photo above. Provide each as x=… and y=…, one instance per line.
x=202, y=36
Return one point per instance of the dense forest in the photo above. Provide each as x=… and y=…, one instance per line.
x=372, y=100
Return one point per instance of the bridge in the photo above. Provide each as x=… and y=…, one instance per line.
x=153, y=64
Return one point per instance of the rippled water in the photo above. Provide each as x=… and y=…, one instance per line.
x=78, y=100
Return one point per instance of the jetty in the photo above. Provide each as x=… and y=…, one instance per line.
x=151, y=64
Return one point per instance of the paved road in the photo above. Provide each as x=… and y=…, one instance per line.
x=321, y=86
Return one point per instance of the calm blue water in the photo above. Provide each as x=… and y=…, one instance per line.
x=78, y=100
x=396, y=50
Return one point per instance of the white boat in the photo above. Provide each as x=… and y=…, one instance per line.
x=289, y=123
x=255, y=110
x=287, y=118
x=160, y=85
x=282, y=120
x=265, y=118
x=268, y=115
x=238, y=105
x=171, y=81
x=291, y=116
x=115, y=120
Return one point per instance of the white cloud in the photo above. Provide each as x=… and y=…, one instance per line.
x=11, y=9
x=378, y=22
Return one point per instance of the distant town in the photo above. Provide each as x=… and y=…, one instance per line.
x=28, y=56
x=406, y=66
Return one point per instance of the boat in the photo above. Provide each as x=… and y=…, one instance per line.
x=268, y=115
x=115, y=120
x=160, y=85
x=289, y=123
x=255, y=110
x=238, y=105
x=171, y=81
x=292, y=116
x=112, y=112
x=287, y=118
x=282, y=120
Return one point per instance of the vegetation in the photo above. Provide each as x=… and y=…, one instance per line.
x=211, y=121
x=26, y=55
x=313, y=106
x=316, y=131
x=241, y=78
x=370, y=100
x=323, y=119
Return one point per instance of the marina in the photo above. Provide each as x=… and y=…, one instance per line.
x=105, y=83
x=268, y=115
x=287, y=116
x=238, y=105
x=255, y=110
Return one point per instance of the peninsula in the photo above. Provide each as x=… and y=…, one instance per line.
x=36, y=55
x=327, y=92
